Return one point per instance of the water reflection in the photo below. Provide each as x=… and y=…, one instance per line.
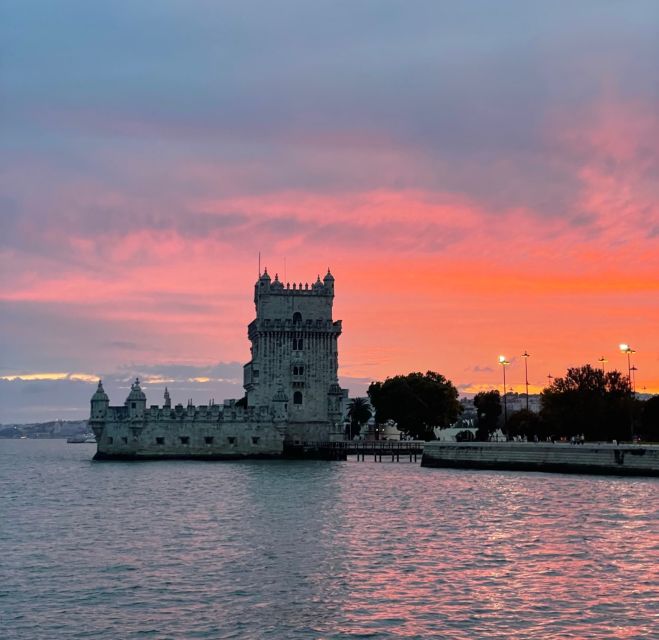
x=320, y=550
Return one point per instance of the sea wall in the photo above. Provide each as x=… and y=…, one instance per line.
x=140, y=440
x=636, y=460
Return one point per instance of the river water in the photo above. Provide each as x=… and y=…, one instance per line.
x=289, y=550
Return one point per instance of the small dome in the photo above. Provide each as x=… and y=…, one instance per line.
x=136, y=392
x=265, y=275
x=335, y=389
x=100, y=395
x=328, y=276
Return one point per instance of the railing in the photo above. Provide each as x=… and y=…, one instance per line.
x=374, y=446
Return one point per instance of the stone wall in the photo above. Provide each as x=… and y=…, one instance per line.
x=187, y=439
x=588, y=458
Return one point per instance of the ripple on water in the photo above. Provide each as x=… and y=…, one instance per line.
x=319, y=550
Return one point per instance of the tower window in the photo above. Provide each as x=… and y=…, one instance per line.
x=185, y=439
x=297, y=397
x=297, y=344
x=208, y=439
x=132, y=405
x=297, y=317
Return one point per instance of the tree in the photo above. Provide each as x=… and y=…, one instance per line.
x=525, y=423
x=589, y=401
x=649, y=422
x=416, y=402
x=359, y=412
x=488, y=410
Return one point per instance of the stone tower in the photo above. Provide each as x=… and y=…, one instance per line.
x=293, y=370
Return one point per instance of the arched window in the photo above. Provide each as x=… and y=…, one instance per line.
x=297, y=344
x=297, y=317
x=297, y=397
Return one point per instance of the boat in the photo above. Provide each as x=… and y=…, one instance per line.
x=82, y=438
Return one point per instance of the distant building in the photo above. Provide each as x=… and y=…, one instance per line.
x=292, y=394
x=517, y=402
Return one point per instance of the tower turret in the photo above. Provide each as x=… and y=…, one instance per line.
x=136, y=401
x=262, y=285
x=168, y=400
x=328, y=281
x=99, y=404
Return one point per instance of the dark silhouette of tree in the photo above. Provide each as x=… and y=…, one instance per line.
x=588, y=401
x=526, y=423
x=359, y=413
x=488, y=410
x=417, y=402
x=649, y=422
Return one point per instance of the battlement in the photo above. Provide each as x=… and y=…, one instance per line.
x=212, y=412
x=288, y=325
x=266, y=286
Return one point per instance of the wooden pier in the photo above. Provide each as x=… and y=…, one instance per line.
x=340, y=450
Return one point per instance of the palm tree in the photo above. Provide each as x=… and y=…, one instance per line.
x=359, y=412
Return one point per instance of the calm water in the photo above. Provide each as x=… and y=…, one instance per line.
x=319, y=550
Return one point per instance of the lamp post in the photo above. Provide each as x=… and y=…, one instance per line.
x=526, y=357
x=504, y=363
x=625, y=348
x=602, y=362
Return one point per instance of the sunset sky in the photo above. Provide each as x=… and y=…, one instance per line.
x=482, y=178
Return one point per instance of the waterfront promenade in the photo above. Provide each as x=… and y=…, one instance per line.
x=590, y=458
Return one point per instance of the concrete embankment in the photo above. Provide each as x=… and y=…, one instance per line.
x=632, y=460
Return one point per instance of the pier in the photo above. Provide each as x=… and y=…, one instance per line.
x=340, y=450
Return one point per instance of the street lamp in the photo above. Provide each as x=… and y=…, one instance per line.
x=526, y=357
x=504, y=363
x=625, y=348
x=602, y=361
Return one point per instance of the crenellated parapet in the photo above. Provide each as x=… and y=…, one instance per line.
x=267, y=286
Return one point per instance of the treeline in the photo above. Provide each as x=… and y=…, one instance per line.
x=586, y=401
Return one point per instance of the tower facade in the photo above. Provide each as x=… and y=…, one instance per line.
x=294, y=345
